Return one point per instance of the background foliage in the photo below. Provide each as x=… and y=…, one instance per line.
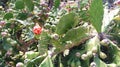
x=56, y=33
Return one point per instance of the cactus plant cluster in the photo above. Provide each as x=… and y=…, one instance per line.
x=46, y=34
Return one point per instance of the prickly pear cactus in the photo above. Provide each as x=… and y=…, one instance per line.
x=75, y=46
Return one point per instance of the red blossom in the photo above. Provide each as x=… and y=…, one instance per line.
x=37, y=29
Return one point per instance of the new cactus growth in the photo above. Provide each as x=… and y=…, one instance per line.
x=84, y=57
x=105, y=42
x=103, y=55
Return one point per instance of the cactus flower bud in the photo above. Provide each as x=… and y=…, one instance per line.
x=103, y=55
x=93, y=64
x=37, y=29
x=19, y=64
x=55, y=36
x=2, y=23
x=94, y=49
x=66, y=52
x=1, y=27
x=89, y=53
x=1, y=8
x=77, y=54
x=43, y=4
x=13, y=43
x=84, y=56
x=105, y=42
x=3, y=34
x=9, y=39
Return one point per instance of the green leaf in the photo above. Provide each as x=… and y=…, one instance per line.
x=8, y=16
x=99, y=63
x=96, y=14
x=47, y=62
x=75, y=35
x=19, y=4
x=29, y=4
x=66, y=22
x=22, y=16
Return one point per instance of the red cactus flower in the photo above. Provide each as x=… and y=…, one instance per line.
x=37, y=29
